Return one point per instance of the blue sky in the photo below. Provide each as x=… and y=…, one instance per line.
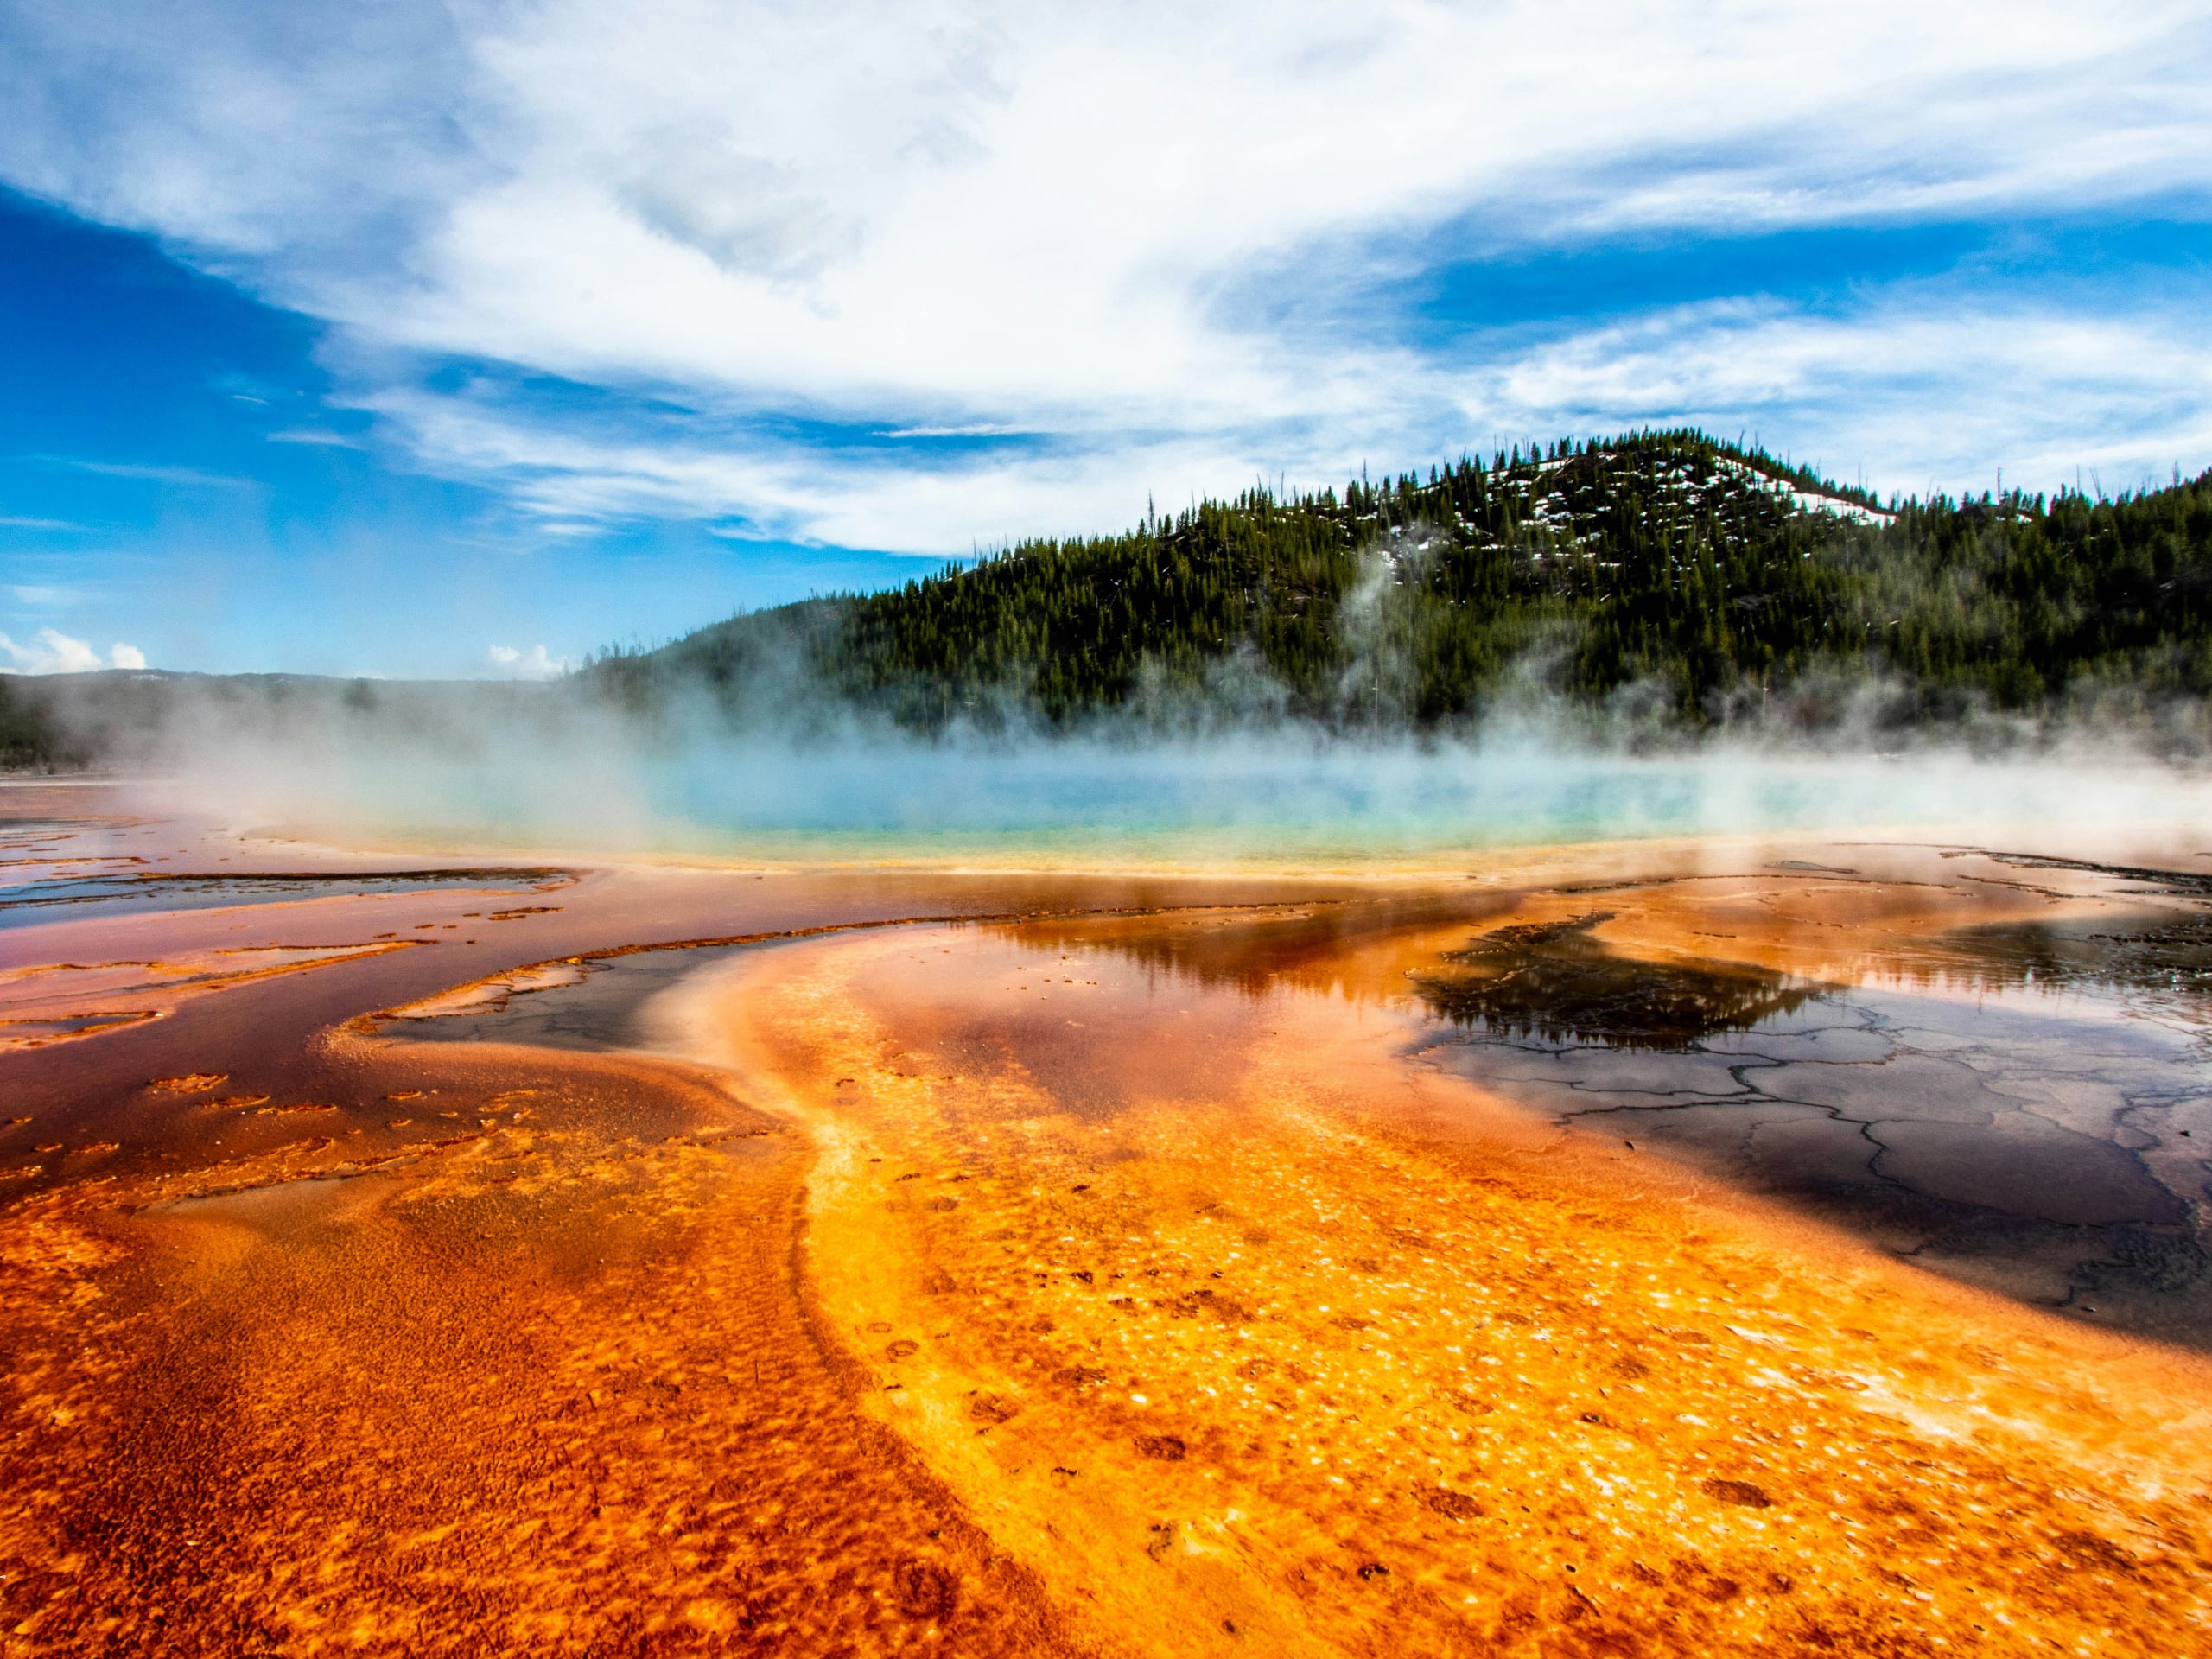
x=178, y=472
x=462, y=340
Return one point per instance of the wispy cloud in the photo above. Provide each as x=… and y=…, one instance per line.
x=1086, y=228
x=189, y=477
x=2054, y=392
x=51, y=652
x=981, y=431
x=11, y=521
x=317, y=437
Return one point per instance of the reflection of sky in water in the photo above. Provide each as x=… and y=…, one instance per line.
x=24, y=903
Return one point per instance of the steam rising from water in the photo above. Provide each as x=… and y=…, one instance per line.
x=555, y=770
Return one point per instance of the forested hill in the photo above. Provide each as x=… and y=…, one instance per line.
x=1694, y=570
x=1685, y=578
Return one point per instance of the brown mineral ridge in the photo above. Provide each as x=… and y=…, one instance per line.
x=1228, y=1325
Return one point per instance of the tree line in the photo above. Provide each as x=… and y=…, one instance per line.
x=1693, y=571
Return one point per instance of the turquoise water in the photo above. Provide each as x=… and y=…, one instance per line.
x=1266, y=799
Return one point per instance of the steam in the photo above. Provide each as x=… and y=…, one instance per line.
x=1217, y=781
x=1378, y=680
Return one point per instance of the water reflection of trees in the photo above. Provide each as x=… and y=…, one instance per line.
x=2158, y=959
x=1253, y=950
x=1556, y=981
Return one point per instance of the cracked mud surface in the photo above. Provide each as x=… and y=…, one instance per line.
x=2025, y=1106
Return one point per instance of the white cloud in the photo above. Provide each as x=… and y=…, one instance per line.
x=54, y=652
x=2053, y=392
x=1024, y=214
x=939, y=217
x=2050, y=390
x=317, y=437
x=532, y=664
x=188, y=477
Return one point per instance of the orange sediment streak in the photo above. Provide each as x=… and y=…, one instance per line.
x=543, y=1382
x=1220, y=1318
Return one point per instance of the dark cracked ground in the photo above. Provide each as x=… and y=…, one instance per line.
x=2026, y=1106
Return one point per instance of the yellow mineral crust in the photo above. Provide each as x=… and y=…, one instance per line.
x=1228, y=1321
